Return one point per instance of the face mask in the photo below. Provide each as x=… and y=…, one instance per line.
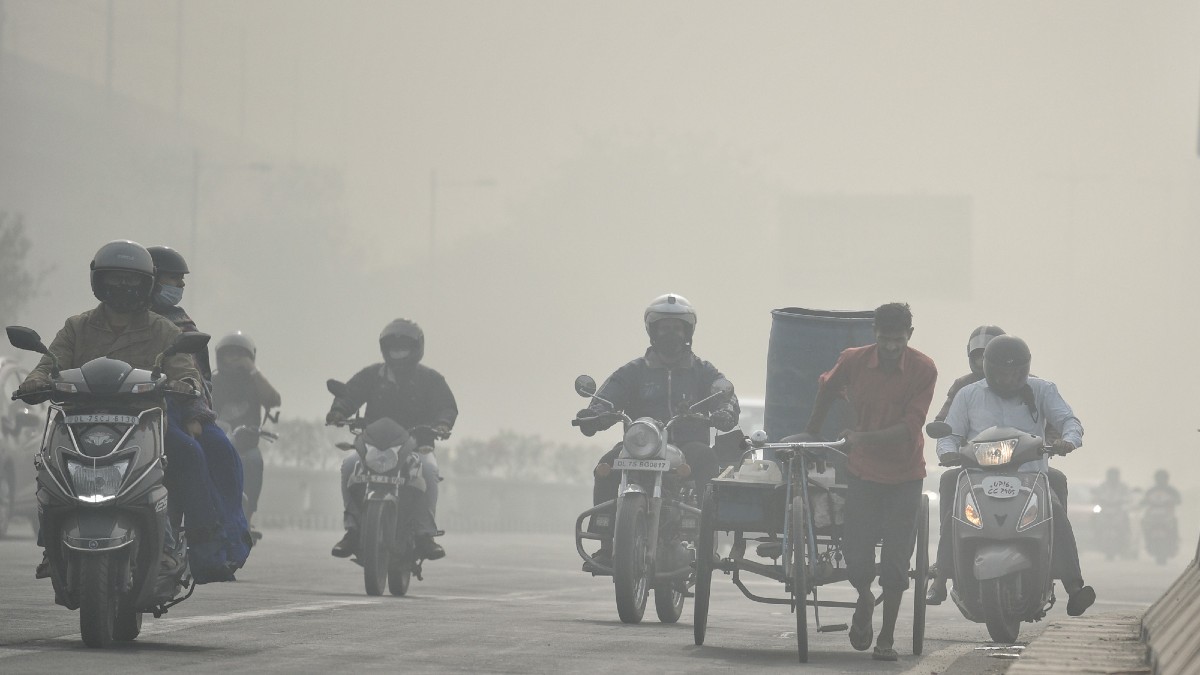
x=669, y=345
x=398, y=354
x=124, y=299
x=168, y=296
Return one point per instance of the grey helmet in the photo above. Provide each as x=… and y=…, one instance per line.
x=240, y=340
x=122, y=255
x=979, y=339
x=168, y=261
x=402, y=333
x=670, y=306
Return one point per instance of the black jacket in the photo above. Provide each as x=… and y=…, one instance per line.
x=418, y=397
x=646, y=387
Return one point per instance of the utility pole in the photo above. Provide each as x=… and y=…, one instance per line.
x=109, y=57
x=194, y=251
x=178, y=58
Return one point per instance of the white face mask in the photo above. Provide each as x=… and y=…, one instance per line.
x=398, y=354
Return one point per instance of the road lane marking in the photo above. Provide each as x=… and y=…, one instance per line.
x=939, y=661
x=163, y=626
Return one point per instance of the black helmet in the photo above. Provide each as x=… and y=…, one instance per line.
x=123, y=255
x=168, y=261
x=1006, y=354
x=239, y=340
x=402, y=334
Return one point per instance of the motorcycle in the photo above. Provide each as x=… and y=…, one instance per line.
x=654, y=520
x=389, y=469
x=1112, y=528
x=1159, y=527
x=103, y=508
x=1002, y=534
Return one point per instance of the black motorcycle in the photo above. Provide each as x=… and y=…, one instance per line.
x=389, y=471
x=653, y=521
x=104, y=510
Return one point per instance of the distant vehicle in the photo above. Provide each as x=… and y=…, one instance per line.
x=20, y=439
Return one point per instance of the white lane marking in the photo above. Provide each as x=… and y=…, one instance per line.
x=160, y=626
x=939, y=661
x=163, y=626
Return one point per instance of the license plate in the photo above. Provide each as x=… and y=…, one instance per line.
x=631, y=464
x=386, y=480
x=1001, y=487
x=101, y=419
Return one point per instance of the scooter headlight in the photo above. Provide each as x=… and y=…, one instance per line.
x=381, y=460
x=95, y=484
x=1030, y=515
x=995, y=453
x=643, y=440
x=1097, y=508
x=971, y=512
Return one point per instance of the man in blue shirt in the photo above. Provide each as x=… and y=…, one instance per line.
x=1009, y=397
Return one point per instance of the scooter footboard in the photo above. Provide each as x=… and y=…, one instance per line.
x=993, y=561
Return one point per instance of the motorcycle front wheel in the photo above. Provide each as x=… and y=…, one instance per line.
x=631, y=573
x=97, y=599
x=379, y=527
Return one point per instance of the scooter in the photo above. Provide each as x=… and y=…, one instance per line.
x=101, y=500
x=1002, y=534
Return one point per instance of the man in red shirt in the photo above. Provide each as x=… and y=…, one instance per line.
x=889, y=387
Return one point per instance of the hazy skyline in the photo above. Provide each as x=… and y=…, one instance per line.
x=592, y=156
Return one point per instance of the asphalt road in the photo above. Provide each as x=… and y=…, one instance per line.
x=500, y=603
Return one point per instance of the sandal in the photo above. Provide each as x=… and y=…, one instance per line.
x=882, y=653
x=861, y=628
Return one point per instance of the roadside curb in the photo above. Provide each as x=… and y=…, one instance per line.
x=1103, y=643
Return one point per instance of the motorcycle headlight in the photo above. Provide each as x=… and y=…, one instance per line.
x=971, y=512
x=995, y=453
x=1097, y=508
x=96, y=484
x=381, y=460
x=99, y=440
x=1030, y=515
x=643, y=440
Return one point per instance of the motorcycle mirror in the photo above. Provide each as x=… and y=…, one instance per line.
x=25, y=338
x=938, y=429
x=336, y=388
x=188, y=343
x=585, y=386
x=758, y=438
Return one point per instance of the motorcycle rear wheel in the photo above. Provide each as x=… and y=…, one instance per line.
x=668, y=602
x=705, y=551
x=631, y=576
x=379, y=527
x=1001, y=627
x=97, y=599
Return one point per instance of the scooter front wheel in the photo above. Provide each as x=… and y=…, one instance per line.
x=1002, y=627
x=97, y=599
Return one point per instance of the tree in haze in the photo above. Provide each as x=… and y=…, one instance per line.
x=18, y=284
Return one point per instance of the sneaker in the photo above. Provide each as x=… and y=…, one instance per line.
x=937, y=592
x=348, y=545
x=429, y=549
x=862, y=631
x=43, y=568
x=602, y=557
x=1079, y=600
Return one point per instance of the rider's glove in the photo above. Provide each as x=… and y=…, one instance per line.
x=1063, y=447
x=30, y=385
x=723, y=420
x=179, y=387
x=588, y=422
x=952, y=458
x=335, y=417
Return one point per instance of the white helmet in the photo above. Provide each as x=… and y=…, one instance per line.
x=671, y=306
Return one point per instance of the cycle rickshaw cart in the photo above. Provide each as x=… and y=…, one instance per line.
x=773, y=504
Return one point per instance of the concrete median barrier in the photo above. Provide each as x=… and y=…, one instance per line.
x=1171, y=627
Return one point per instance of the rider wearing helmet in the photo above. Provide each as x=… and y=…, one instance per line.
x=413, y=395
x=1009, y=396
x=241, y=396
x=122, y=327
x=663, y=382
x=170, y=268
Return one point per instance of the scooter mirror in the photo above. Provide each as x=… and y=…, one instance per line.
x=585, y=386
x=938, y=429
x=25, y=338
x=188, y=343
x=336, y=388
